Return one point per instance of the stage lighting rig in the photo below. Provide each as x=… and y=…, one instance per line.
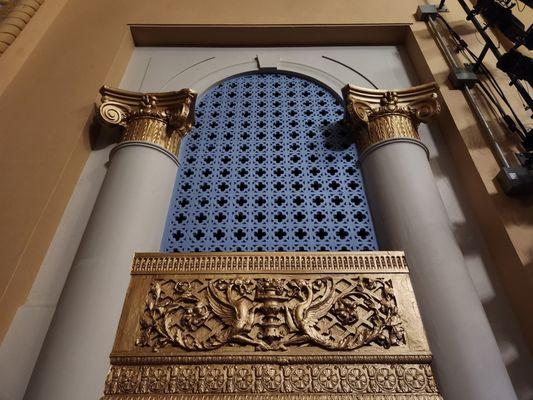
x=499, y=13
x=513, y=178
x=489, y=44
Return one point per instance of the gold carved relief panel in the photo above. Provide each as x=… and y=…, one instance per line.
x=270, y=325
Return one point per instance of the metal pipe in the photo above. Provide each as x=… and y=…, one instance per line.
x=480, y=58
x=496, y=149
x=438, y=37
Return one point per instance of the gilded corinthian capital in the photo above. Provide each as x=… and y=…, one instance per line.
x=162, y=119
x=384, y=115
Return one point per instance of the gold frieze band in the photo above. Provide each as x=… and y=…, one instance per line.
x=273, y=325
x=385, y=115
x=361, y=261
x=162, y=119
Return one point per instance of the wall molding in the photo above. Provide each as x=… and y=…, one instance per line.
x=18, y=14
x=269, y=35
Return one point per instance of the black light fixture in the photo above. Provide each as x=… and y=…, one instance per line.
x=499, y=14
x=528, y=39
x=517, y=64
x=489, y=44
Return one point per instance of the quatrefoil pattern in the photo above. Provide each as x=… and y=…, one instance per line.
x=268, y=167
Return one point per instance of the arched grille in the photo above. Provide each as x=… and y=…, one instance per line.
x=268, y=167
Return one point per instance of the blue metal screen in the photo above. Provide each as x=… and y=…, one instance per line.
x=268, y=167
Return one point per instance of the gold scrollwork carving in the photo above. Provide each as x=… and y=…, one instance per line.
x=158, y=118
x=271, y=314
x=381, y=115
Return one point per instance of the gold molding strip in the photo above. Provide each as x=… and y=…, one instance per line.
x=178, y=263
x=345, y=380
x=17, y=17
x=285, y=396
x=380, y=116
x=154, y=359
x=270, y=325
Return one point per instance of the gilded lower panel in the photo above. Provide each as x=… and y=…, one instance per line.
x=271, y=325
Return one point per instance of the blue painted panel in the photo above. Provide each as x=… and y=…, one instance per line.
x=268, y=167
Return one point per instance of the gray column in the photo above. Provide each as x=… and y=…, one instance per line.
x=128, y=217
x=409, y=215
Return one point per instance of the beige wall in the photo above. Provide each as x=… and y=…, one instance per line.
x=71, y=47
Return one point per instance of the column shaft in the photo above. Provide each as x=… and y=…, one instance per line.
x=409, y=215
x=129, y=216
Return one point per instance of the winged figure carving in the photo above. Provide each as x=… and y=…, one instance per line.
x=236, y=313
x=308, y=312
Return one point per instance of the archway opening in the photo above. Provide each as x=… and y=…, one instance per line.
x=269, y=166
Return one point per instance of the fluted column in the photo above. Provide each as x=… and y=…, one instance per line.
x=409, y=215
x=129, y=216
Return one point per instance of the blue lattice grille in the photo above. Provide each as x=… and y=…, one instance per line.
x=268, y=167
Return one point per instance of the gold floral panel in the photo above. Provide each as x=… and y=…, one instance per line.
x=270, y=326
